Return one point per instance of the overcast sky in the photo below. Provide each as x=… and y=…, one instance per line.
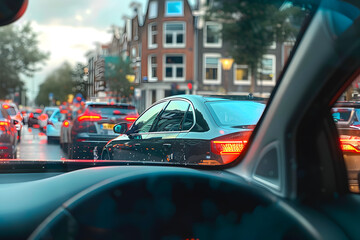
x=69, y=28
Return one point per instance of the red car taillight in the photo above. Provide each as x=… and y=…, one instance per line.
x=66, y=123
x=31, y=115
x=130, y=119
x=43, y=117
x=3, y=125
x=89, y=118
x=229, y=147
x=350, y=144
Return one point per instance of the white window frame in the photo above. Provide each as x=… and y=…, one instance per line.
x=174, y=79
x=210, y=81
x=153, y=6
x=174, y=34
x=272, y=82
x=211, y=45
x=150, y=78
x=242, y=82
x=166, y=14
x=150, y=34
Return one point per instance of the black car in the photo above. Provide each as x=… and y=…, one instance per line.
x=33, y=120
x=91, y=130
x=187, y=129
x=8, y=134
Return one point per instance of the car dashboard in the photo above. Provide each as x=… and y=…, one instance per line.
x=143, y=202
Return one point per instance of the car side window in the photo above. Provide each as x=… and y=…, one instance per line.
x=145, y=121
x=172, y=117
x=189, y=119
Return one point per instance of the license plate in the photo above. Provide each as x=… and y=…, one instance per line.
x=108, y=126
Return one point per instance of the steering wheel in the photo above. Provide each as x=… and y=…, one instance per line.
x=173, y=203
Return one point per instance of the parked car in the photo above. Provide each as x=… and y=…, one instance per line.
x=54, y=125
x=187, y=129
x=8, y=133
x=44, y=116
x=15, y=114
x=94, y=128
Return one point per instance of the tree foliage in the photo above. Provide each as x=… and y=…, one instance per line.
x=250, y=27
x=60, y=83
x=116, y=76
x=20, y=55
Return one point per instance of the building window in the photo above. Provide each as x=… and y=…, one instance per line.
x=241, y=75
x=152, y=38
x=153, y=10
x=174, y=34
x=212, y=69
x=174, y=68
x=174, y=8
x=152, y=68
x=266, y=71
x=212, y=34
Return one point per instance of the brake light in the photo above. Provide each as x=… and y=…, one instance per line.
x=66, y=123
x=229, y=147
x=130, y=119
x=3, y=126
x=38, y=110
x=5, y=106
x=350, y=144
x=89, y=118
x=31, y=115
x=43, y=117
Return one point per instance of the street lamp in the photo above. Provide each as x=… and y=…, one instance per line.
x=226, y=64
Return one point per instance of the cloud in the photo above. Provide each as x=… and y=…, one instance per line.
x=64, y=43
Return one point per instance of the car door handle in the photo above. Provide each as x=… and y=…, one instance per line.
x=167, y=145
x=137, y=144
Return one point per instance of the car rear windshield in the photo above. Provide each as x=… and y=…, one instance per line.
x=49, y=112
x=236, y=113
x=11, y=111
x=112, y=110
x=342, y=114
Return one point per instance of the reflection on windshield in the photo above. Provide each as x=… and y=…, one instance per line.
x=183, y=82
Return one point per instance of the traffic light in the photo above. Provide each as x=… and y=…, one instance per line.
x=190, y=86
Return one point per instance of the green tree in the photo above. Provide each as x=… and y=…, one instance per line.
x=116, y=73
x=80, y=79
x=20, y=55
x=60, y=83
x=251, y=26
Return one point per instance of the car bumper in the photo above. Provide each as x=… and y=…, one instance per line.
x=6, y=150
x=51, y=131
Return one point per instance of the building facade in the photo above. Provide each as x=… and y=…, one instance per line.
x=167, y=43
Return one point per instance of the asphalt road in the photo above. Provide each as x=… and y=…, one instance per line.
x=34, y=146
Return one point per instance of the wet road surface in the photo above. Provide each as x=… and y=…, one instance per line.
x=34, y=146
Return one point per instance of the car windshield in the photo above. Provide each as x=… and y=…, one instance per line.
x=166, y=81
